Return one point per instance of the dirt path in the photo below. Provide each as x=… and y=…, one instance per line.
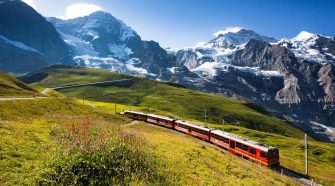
x=13, y=99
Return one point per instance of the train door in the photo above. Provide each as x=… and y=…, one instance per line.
x=232, y=144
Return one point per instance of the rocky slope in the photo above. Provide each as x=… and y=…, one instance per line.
x=16, y=57
x=21, y=23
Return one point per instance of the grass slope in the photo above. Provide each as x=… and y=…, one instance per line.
x=183, y=102
x=193, y=162
x=33, y=132
x=291, y=149
x=11, y=87
x=58, y=141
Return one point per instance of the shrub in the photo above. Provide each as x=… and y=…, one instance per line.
x=96, y=153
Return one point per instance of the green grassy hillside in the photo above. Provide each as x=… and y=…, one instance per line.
x=291, y=149
x=11, y=87
x=178, y=102
x=194, y=162
x=185, y=103
x=57, y=141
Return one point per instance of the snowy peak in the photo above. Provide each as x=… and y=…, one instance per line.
x=96, y=25
x=106, y=20
x=236, y=36
x=227, y=30
x=303, y=36
x=311, y=47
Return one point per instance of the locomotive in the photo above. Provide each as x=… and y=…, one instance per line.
x=255, y=151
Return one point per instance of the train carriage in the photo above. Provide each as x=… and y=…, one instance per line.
x=249, y=149
x=159, y=120
x=193, y=130
x=135, y=115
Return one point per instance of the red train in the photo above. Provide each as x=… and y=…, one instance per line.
x=266, y=155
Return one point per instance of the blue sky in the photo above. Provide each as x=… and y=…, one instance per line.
x=183, y=23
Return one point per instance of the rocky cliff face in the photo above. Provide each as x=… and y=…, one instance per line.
x=16, y=57
x=327, y=82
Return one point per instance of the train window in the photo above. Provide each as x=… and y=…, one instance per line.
x=252, y=150
x=232, y=144
x=238, y=145
x=226, y=140
x=263, y=154
x=183, y=126
x=245, y=147
x=199, y=131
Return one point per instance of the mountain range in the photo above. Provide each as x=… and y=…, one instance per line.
x=293, y=78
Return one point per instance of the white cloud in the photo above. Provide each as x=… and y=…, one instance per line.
x=30, y=3
x=228, y=29
x=200, y=44
x=80, y=9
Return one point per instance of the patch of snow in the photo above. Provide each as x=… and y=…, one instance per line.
x=107, y=63
x=120, y=51
x=327, y=128
x=80, y=47
x=294, y=115
x=172, y=69
x=90, y=23
x=140, y=71
x=209, y=68
x=311, y=51
x=227, y=30
x=257, y=71
x=126, y=32
x=18, y=44
x=94, y=34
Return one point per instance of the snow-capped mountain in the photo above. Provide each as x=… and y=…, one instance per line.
x=294, y=77
x=231, y=39
x=206, y=58
x=313, y=47
x=100, y=40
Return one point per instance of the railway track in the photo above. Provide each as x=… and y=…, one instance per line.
x=93, y=83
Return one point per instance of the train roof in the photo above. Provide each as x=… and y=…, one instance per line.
x=161, y=117
x=242, y=140
x=135, y=112
x=193, y=125
x=153, y=115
